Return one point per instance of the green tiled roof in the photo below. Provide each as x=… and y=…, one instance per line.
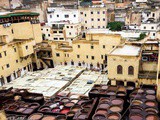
x=19, y=14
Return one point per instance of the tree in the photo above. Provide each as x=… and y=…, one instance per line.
x=115, y=26
x=141, y=36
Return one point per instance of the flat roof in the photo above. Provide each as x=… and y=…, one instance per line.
x=127, y=50
x=13, y=14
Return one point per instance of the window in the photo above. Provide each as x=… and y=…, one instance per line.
x=78, y=56
x=119, y=69
x=15, y=50
x=79, y=46
x=7, y=65
x=144, y=27
x=74, y=15
x=104, y=46
x=12, y=31
x=103, y=26
x=86, y=27
x=5, y=53
x=57, y=15
x=54, y=31
x=92, y=47
x=103, y=12
x=26, y=47
x=152, y=27
x=46, y=29
x=91, y=12
x=50, y=16
x=92, y=19
x=85, y=15
x=55, y=38
x=57, y=54
x=67, y=26
x=98, y=19
x=48, y=35
x=92, y=57
x=71, y=26
x=98, y=26
x=81, y=13
x=130, y=70
x=101, y=56
x=61, y=38
x=0, y=55
x=60, y=31
x=85, y=21
x=92, y=26
x=98, y=12
x=69, y=33
x=153, y=15
x=113, y=46
x=16, y=61
x=87, y=56
x=154, y=34
x=66, y=16
x=104, y=19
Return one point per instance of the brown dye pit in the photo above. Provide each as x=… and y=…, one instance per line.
x=82, y=116
x=65, y=100
x=69, y=104
x=101, y=111
x=49, y=118
x=36, y=116
x=99, y=117
x=113, y=116
x=137, y=102
x=152, y=117
x=115, y=108
x=136, y=117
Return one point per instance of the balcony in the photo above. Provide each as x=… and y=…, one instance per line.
x=58, y=26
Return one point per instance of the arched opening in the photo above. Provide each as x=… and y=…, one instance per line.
x=130, y=70
x=119, y=69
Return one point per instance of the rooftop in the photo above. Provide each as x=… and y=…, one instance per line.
x=126, y=50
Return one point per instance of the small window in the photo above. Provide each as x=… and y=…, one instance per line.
x=5, y=53
x=92, y=26
x=50, y=16
x=113, y=46
x=119, y=69
x=27, y=47
x=103, y=12
x=130, y=70
x=154, y=34
x=70, y=33
x=85, y=15
x=60, y=31
x=92, y=19
x=12, y=31
x=98, y=12
x=16, y=61
x=87, y=56
x=66, y=16
x=144, y=27
x=104, y=46
x=153, y=15
x=85, y=21
x=92, y=47
x=152, y=28
x=15, y=50
x=99, y=27
x=71, y=26
x=91, y=12
x=46, y=29
x=67, y=55
x=78, y=56
x=74, y=15
x=101, y=56
x=0, y=55
x=67, y=26
x=79, y=46
x=104, y=19
x=81, y=13
x=61, y=38
x=7, y=65
x=92, y=57
x=48, y=35
x=57, y=15
x=57, y=54
x=98, y=19
x=54, y=31
x=55, y=38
